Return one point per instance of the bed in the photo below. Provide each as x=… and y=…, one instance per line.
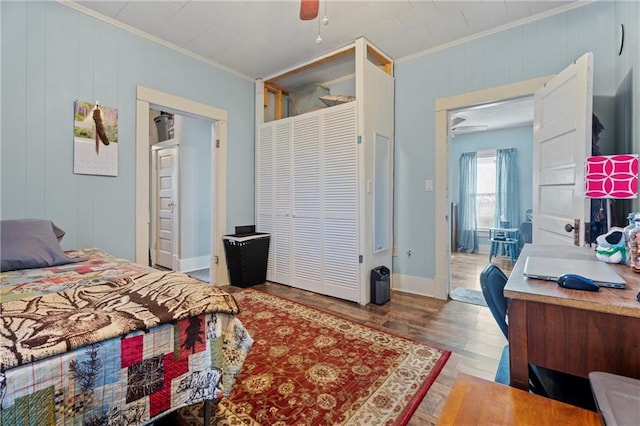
x=97, y=340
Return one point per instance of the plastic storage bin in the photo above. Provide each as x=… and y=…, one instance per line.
x=380, y=285
x=164, y=125
x=247, y=256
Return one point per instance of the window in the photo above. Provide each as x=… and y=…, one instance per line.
x=486, y=189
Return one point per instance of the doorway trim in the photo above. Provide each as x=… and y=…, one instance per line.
x=442, y=278
x=146, y=97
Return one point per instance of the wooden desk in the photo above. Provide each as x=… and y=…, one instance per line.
x=474, y=401
x=572, y=331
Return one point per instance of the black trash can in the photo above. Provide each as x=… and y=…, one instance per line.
x=247, y=255
x=380, y=285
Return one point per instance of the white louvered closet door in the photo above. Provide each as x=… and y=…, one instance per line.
x=340, y=203
x=265, y=188
x=281, y=238
x=306, y=214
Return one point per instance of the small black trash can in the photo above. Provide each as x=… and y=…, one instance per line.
x=380, y=285
x=247, y=255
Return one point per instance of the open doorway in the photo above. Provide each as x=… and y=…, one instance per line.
x=480, y=135
x=442, y=191
x=568, y=138
x=216, y=189
x=181, y=170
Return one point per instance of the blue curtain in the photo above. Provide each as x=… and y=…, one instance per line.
x=467, y=237
x=507, y=189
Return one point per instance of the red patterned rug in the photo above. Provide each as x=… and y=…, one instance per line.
x=308, y=367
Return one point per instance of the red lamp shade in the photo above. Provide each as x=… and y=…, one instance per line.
x=611, y=176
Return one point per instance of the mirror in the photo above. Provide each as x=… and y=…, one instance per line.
x=381, y=193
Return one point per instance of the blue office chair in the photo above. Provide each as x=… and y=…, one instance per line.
x=542, y=381
x=492, y=282
x=526, y=232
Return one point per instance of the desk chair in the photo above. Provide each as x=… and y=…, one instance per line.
x=526, y=232
x=552, y=384
x=492, y=282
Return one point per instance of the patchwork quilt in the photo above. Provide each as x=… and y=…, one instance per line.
x=106, y=341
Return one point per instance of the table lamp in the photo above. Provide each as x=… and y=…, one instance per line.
x=611, y=177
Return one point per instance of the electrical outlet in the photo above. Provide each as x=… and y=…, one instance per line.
x=394, y=252
x=428, y=185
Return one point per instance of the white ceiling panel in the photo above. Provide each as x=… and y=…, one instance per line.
x=107, y=8
x=147, y=16
x=260, y=38
x=187, y=24
x=494, y=116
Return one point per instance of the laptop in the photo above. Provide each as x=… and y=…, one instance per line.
x=550, y=268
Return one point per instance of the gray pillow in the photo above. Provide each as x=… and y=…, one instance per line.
x=31, y=243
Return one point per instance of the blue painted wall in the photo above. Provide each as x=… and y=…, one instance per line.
x=532, y=50
x=195, y=188
x=53, y=55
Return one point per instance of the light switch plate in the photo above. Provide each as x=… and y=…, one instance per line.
x=428, y=185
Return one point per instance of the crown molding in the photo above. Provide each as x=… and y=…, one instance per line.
x=152, y=38
x=519, y=22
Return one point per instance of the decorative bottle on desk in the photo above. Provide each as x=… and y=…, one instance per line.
x=632, y=235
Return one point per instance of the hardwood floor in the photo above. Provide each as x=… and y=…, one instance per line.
x=468, y=331
x=466, y=268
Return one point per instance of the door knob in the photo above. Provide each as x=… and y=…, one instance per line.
x=569, y=227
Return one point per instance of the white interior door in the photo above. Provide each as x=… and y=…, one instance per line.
x=167, y=206
x=562, y=141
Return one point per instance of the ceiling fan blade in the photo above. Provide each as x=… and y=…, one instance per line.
x=309, y=9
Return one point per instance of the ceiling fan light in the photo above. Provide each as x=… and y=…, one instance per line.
x=457, y=120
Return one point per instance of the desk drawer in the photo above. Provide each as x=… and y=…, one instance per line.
x=577, y=341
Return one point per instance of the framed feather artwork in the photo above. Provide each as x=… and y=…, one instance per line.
x=95, y=139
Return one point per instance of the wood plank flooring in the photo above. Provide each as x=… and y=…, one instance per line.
x=468, y=331
x=466, y=268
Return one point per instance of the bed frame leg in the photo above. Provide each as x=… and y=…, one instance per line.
x=207, y=413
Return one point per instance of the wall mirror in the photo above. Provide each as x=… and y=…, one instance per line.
x=381, y=193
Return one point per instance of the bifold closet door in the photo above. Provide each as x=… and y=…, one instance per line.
x=307, y=204
x=273, y=198
x=307, y=198
x=340, y=203
x=281, y=238
x=265, y=188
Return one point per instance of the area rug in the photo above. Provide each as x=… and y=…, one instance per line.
x=467, y=295
x=309, y=367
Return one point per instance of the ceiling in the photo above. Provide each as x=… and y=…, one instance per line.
x=262, y=38
x=497, y=115
x=265, y=38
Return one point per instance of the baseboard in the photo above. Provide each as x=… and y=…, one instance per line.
x=194, y=263
x=414, y=285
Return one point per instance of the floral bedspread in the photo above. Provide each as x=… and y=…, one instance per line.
x=106, y=341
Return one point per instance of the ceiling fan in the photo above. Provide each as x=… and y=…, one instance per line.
x=458, y=128
x=309, y=9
